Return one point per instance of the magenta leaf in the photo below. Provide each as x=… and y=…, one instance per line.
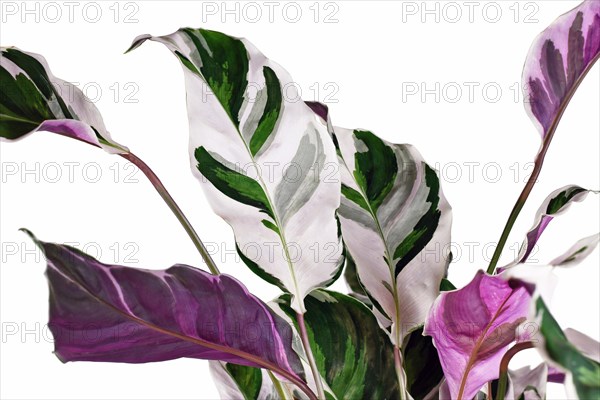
x=111, y=313
x=558, y=60
x=473, y=327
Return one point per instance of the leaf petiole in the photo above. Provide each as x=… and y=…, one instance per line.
x=503, y=379
x=310, y=356
x=160, y=188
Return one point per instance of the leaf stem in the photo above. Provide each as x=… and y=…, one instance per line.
x=160, y=188
x=278, y=387
x=310, y=356
x=539, y=162
x=399, y=372
x=503, y=379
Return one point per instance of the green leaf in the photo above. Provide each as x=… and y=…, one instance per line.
x=353, y=354
x=235, y=381
x=375, y=168
x=224, y=66
x=555, y=346
x=422, y=365
x=232, y=183
x=249, y=379
x=446, y=285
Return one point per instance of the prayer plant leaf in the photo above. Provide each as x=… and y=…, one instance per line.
x=582, y=373
x=353, y=355
x=236, y=381
x=422, y=365
x=267, y=163
x=249, y=383
x=32, y=99
x=527, y=383
x=558, y=60
x=396, y=224
x=556, y=204
x=353, y=282
x=473, y=327
x=139, y=315
x=578, y=252
x=585, y=344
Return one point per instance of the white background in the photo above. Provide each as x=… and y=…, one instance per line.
x=367, y=57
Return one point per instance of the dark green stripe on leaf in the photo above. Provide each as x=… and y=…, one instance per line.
x=270, y=225
x=271, y=113
x=422, y=365
x=224, y=66
x=247, y=379
x=573, y=256
x=355, y=197
x=586, y=372
x=37, y=73
x=254, y=267
x=353, y=354
x=562, y=199
x=187, y=63
x=232, y=183
x=446, y=285
x=375, y=169
x=22, y=105
x=425, y=228
x=353, y=281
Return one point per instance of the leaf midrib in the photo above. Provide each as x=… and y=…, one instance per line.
x=201, y=342
x=269, y=200
x=385, y=244
x=11, y=118
x=478, y=344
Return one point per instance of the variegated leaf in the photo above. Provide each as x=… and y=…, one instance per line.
x=249, y=383
x=556, y=204
x=395, y=223
x=353, y=282
x=585, y=344
x=32, y=99
x=267, y=163
x=422, y=365
x=557, y=62
x=140, y=315
x=527, y=383
x=353, y=355
x=582, y=372
x=578, y=252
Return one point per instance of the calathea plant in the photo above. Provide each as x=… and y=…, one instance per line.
x=375, y=210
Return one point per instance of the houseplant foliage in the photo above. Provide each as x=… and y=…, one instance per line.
x=375, y=212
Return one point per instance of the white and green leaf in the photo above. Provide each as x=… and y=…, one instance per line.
x=556, y=203
x=250, y=383
x=396, y=224
x=583, y=372
x=578, y=252
x=527, y=384
x=34, y=100
x=353, y=355
x=267, y=163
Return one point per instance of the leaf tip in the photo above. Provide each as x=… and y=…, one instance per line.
x=37, y=242
x=137, y=42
